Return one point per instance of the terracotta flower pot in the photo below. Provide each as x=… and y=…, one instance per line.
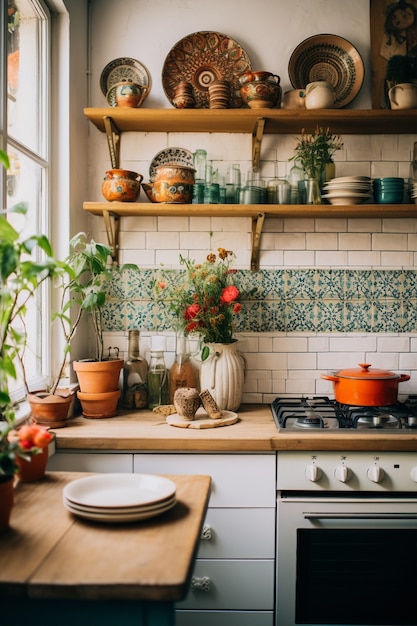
x=34, y=469
x=98, y=405
x=98, y=376
x=50, y=410
x=6, y=502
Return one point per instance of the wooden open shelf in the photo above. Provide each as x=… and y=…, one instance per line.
x=113, y=211
x=277, y=121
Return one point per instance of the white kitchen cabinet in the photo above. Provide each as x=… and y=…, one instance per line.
x=109, y=462
x=233, y=577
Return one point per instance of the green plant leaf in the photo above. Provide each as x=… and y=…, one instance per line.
x=205, y=353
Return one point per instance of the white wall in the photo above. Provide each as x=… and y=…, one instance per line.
x=268, y=31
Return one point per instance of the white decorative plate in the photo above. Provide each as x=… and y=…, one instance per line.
x=119, y=490
x=171, y=156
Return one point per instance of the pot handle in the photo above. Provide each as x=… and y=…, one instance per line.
x=335, y=379
x=403, y=377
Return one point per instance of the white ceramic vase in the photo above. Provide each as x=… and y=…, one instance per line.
x=223, y=374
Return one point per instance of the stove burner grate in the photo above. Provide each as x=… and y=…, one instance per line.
x=321, y=412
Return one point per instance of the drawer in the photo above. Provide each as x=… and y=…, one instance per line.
x=241, y=585
x=224, y=618
x=238, y=534
x=238, y=480
x=91, y=462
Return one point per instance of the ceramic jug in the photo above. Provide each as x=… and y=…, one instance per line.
x=319, y=95
x=260, y=89
x=130, y=94
x=403, y=96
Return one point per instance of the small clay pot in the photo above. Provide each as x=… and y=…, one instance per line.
x=121, y=185
x=186, y=401
x=98, y=405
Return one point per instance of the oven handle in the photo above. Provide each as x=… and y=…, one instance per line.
x=396, y=516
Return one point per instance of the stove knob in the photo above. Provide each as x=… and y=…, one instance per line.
x=342, y=473
x=313, y=473
x=413, y=474
x=376, y=474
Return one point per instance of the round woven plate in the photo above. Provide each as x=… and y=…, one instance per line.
x=200, y=59
x=330, y=58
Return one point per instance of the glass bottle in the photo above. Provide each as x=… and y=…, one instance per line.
x=182, y=373
x=135, y=373
x=158, y=390
x=297, y=180
x=200, y=161
x=412, y=177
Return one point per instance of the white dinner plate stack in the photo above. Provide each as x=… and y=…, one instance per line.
x=116, y=498
x=413, y=193
x=348, y=190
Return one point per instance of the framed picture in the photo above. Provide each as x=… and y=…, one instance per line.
x=393, y=33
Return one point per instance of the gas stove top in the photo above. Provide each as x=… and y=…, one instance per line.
x=325, y=414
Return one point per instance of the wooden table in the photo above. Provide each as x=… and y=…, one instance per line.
x=57, y=569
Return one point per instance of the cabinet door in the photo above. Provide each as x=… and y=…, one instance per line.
x=224, y=618
x=238, y=480
x=238, y=534
x=91, y=462
x=231, y=585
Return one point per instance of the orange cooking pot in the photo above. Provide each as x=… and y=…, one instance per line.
x=366, y=386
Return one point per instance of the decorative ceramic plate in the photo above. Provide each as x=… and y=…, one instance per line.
x=200, y=59
x=121, y=69
x=330, y=58
x=171, y=156
x=119, y=490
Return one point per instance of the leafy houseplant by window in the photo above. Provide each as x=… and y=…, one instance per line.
x=85, y=292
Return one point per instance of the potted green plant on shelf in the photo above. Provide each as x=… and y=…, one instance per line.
x=314, y=152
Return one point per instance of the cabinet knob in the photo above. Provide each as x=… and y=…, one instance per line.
x=206, y=533
x=200, y=584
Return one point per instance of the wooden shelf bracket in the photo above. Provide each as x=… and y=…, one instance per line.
x=112, y=231
x=257, y=225
x=257, y=136
x=113, y=141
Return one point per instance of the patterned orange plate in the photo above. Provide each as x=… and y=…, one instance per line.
x=200, y=59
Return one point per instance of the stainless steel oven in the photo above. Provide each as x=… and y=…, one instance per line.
x=346, y=537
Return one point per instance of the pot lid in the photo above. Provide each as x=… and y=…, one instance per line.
x=364, y=373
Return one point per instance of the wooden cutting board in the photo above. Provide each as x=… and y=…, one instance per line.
x=202, y=420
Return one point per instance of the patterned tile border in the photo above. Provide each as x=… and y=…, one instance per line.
x=289, y=300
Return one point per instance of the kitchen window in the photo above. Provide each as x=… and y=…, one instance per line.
x=25, y=115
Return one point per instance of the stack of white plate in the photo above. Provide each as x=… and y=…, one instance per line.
x=413, y=192
x=348, y=190
x=117, y=498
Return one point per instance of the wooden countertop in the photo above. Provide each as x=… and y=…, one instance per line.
x=254, y=432
x=50, y=553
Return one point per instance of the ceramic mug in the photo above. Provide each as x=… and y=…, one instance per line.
x=403, y=96
x=319, y=95
x=293, y=99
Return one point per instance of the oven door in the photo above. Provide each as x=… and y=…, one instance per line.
x=346, y=560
